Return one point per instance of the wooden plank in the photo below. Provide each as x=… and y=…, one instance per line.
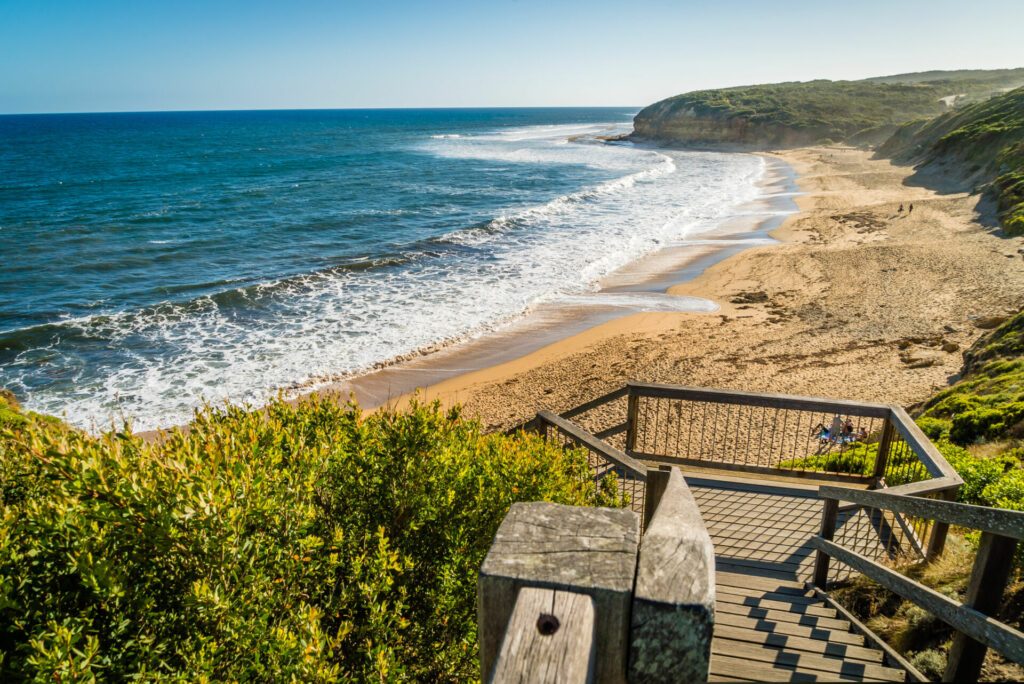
x=682, y=461
x=821, y=648
x=549, y=638
x=788, y=629
x=891, y=655
x=720, y=482
x=781, y=401
x=785, y=594
x=637, y=469
x=999, y=521
x=807, y=662
x=922, y=487
x=1005, y=639
x=796, y=609
x=776, y=615
x=741, y=581
x=594, y=403
x=724, y=666
x=754, y=568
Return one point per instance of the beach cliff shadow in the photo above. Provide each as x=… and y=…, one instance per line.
x=949, y=179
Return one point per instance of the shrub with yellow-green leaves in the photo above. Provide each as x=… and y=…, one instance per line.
x=302, y=542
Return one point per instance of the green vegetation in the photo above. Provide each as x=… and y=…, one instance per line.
x=982, y=143
x=977, y=425
x=783, y=114
x=303, y=543
x=987, y=403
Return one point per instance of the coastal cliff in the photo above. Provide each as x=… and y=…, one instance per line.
x=796, y=114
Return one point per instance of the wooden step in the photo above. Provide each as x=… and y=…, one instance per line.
x=815, y=609
x=734, y=579
x=789, y=629
x=782, y=616
x=826, y=668
x=723, y=666
x=808, y=646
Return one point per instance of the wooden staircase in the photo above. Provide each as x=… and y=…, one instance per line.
x=772, y=630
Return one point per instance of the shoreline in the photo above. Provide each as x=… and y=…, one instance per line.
x=643, y=287
x=855, y=300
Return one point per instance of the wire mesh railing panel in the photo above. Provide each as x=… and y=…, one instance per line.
x=737, y=435
x=903, y=466
x=606, y=419
x=884, y=536
x=630, y=488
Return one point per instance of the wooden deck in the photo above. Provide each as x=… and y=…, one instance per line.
x=768, y=627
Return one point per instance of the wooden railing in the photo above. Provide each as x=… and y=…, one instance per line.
x=877, y=445
x=976, y=630
x=571, y=594
x=604, y=459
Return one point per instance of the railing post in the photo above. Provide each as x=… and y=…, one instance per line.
x=940, y=530
x=657, y=482
x=829, y=516
x=991, y=571
x=588, y=551
x=884, y=447
x=673, y=612
x=632, y=408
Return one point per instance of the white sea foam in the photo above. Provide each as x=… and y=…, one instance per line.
x=308, y=329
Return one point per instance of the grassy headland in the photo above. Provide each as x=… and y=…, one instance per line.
x=981, y=145
x=814, y=112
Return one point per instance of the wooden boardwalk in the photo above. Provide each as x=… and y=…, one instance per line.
x=768, y=627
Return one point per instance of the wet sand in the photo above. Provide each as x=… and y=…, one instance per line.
x=639, y=289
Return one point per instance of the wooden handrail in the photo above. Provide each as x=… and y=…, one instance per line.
x=978, y=626
x=781, y=401
x=636, y=469
x=999, y=521
x=932, y=458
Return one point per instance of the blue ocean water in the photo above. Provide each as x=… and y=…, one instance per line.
x=152, y=261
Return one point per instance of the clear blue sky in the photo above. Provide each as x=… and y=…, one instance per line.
x=117, y=55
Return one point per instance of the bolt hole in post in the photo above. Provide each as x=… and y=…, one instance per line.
x=547, y=624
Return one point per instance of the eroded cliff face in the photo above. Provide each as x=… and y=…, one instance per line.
x=685, y=126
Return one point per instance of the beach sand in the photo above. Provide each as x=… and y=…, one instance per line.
x=856, y=301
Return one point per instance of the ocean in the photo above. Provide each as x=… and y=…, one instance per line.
x=156, y=261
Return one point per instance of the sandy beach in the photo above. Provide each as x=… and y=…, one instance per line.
x=856, y=301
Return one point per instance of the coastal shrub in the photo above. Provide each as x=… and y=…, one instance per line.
x=303, y=543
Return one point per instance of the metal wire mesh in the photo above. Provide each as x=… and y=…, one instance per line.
x=735, y=435
x=627, y=485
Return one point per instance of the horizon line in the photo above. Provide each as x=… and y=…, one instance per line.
x=316, y=109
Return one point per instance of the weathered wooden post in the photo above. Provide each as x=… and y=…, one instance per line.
x=588, y=552
x=674, y=598
x=884, y=447
x=829, y=516
x=991, y=572
x=632, y=412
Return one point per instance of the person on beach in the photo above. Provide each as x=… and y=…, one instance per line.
x=821, y=432
x=836, y=431
x=900, y=210
x=910, y=208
